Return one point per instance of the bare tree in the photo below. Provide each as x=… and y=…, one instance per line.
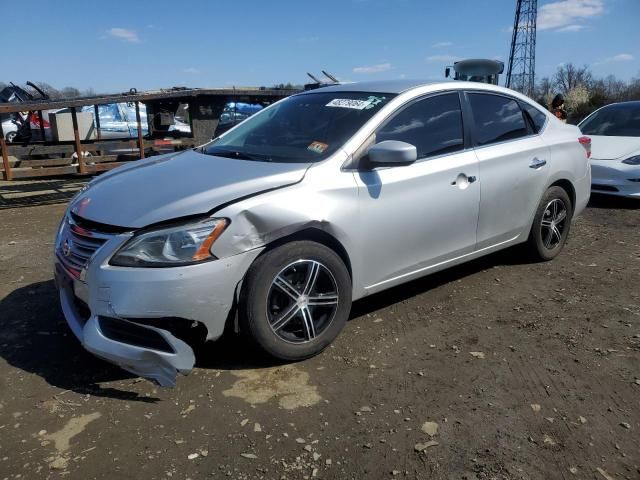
x=544, y=91
x=46, y=88
x=69, y=92
x=569, y=76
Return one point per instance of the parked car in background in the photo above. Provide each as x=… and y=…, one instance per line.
x=118, y=120
x=24, y=126
x=615, y=148
x=15, y=129
x=322, y=198
x=9, y=127
x=180, y=126
x=234, y=113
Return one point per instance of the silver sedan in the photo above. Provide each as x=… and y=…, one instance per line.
x=325, y=197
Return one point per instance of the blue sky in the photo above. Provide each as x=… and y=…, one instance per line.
x=114, y=45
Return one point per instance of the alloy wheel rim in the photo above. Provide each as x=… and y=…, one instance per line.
x=553, y=223
x=302, y=301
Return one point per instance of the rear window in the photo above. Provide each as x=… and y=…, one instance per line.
x=535, y=116
x=614, y=121
x=497, y=118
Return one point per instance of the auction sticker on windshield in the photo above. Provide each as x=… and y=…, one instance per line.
x=317, y=147
x=349, y=103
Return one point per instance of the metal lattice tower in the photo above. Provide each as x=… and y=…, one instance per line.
x=522, y=59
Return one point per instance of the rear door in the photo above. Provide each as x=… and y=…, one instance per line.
x=512, y=164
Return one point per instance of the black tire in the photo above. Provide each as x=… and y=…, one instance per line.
x=10, y=137
x=264, y=304
x=544, y=242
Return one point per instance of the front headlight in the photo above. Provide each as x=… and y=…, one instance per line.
x=632, y=161
x=171, y=246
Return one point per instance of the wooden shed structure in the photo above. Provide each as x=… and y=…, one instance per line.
x=80, y=156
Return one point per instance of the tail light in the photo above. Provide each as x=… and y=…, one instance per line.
x=586, y=143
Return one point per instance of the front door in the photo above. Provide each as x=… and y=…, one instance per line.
x=419, y=216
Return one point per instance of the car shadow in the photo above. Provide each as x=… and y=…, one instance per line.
x=35, y=338
x=510, y=256
x=607, y=202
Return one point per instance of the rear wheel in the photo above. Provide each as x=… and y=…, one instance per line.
x=551, y=224
x=296, y=299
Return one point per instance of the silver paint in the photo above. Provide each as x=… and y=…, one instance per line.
x=394, y=223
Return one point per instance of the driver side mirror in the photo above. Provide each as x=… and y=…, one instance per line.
x=392, y=152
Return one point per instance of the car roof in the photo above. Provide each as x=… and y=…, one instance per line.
x=631, y=104
x=402, y=86
x=385, y=86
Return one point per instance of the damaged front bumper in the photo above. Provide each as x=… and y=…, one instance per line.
x=160, y=364
x=120, y=313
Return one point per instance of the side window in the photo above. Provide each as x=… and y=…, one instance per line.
x=536, y=117
x=496, y=118
x=433, y=125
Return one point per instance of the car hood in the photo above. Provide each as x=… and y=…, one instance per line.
x=611, y=148
x=166, y=187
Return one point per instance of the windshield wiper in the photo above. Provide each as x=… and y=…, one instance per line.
x=237, y=154
x=228, y=154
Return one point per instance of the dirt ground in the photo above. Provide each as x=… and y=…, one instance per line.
x=497, y=369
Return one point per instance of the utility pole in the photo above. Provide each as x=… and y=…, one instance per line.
x=522, y=59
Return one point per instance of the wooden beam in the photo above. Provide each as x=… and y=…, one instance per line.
x=96, y=113
x=41, y=117
x=103, y=146
x=76, y=136
x=140, y=140
x=181, y=95
x=49, y=162
x=43, y=172
x=28, y=150
x=102, y=158
x=102, y=167
x=5, y=156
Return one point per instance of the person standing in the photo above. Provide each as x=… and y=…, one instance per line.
x=557, y=108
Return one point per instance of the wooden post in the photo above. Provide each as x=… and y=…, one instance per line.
x=41, y=126
x=140, y=141
x=5, y=156
x=190, y=119
x=96, y=114
x=76, y=136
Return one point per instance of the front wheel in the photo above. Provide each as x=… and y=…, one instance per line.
x=551, y=224
x=295, y=300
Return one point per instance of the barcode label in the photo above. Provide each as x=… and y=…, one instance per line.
x=347, y=103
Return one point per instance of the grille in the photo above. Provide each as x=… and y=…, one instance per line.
x=132, y=334
x=77, y=245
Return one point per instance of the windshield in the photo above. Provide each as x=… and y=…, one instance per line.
x=614, y=121
x=302, y=128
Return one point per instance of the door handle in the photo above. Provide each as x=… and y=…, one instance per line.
x=463, y=181
x=537, y=163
